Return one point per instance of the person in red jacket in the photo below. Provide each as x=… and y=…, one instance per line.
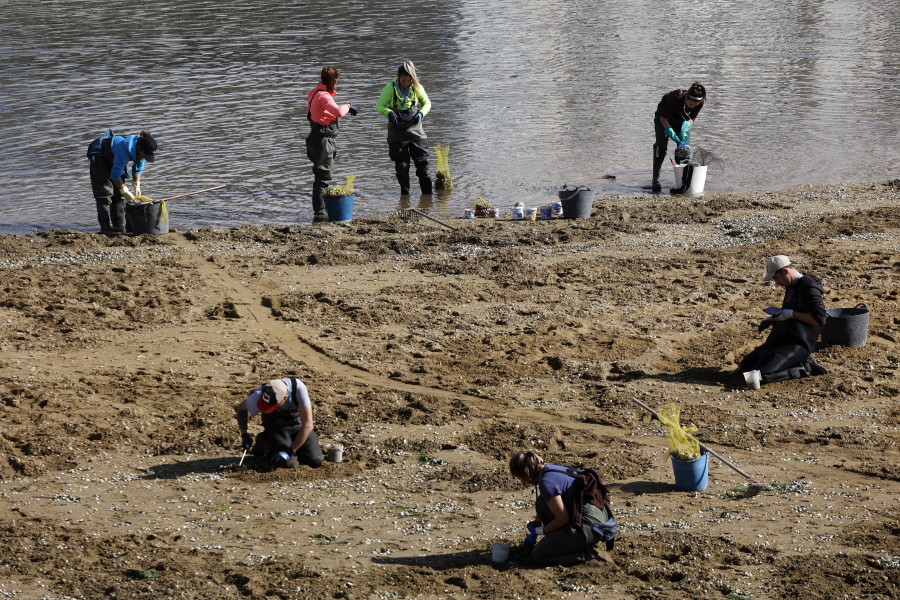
x=672, y=121
x=321, y=147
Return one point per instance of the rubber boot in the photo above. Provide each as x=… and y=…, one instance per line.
x=402, y=169
x=117, y=215
x=425, y=184
x=103, y=215
x=658, y=157
x=318, y=201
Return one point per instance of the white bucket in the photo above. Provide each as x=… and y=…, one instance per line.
x=698, y=180
x=499, y=553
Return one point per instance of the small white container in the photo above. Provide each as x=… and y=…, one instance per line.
x=335, y=453
x=499, y=553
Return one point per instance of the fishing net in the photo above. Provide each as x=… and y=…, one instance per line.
x=335, y=191
x=682, y=444
x=699, y=157
x=442, y=179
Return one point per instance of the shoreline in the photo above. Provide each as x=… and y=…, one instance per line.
x=432, y=355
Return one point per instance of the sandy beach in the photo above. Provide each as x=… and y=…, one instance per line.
x=431, y=356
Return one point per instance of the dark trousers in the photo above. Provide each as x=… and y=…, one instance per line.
x=401, y=153
x=272, y=441
x=110, y=204
x=567, y=545
x=777, y=362
x=321, y=150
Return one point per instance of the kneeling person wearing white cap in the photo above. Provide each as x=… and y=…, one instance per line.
x=787, y=352
x=288, y=438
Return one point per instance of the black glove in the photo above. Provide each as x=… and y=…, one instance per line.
x=766, y=323
x=246, y=440
x=353, y=111
x=392, y=117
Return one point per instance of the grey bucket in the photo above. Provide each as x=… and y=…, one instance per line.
x=148, y=217
x=576, y=203
x=846, y=326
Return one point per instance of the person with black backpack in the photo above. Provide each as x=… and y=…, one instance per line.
x=288, y=438
x=573, y=510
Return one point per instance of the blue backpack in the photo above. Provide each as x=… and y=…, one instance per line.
x=96, y=146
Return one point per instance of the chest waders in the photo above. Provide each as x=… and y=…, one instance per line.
x=406, y=144
x=321, y=148
x=110, y=204
x=280, y=427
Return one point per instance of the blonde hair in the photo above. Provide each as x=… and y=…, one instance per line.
x=408, y=68
x=526, y=465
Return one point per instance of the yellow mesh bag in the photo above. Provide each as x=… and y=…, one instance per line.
x=442, y=179
x=335, y=191
x=682, y=444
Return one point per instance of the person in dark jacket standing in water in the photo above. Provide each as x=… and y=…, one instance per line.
x=321, y=147
x=404, y=102
x=109, y=156
x=672, y=121
x=787, y=352
x=288, y=437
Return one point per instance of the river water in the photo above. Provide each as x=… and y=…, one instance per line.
x=529, y=95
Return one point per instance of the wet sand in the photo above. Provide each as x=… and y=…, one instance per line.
x=432, y=355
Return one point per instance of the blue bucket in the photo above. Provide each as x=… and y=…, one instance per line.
x=691, y=475
x=339, y=208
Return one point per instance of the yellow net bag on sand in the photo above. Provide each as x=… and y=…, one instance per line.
x=682, y=444
x=442, y=179
x=341, y=190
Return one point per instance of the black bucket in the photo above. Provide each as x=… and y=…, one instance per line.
x=576, y=203
x=846, y=326
x=148, y=217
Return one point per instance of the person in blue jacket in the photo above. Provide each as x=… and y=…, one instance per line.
x=109, y=156
x=672, y=121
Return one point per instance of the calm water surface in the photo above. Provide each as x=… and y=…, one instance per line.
x=528, y=94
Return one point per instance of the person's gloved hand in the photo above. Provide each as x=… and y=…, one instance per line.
x=353, y=111
x=137, y=190
x=670, y=133
x=418, y=119
x=535, y=528
x=281, y=457
x=126, y=194
x=764, y=324
x=685, y=128
x=392, y=117
x=530, y=540
x=784, y=315
x=246, y=440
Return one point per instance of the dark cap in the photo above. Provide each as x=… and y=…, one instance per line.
x=147, y=145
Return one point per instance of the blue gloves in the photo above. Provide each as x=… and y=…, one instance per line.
x=392, y=117
x=535, y=529
x=281, y=457
x=418, y=119
x=246, y=440
x=685, y=128
x=353, y=111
